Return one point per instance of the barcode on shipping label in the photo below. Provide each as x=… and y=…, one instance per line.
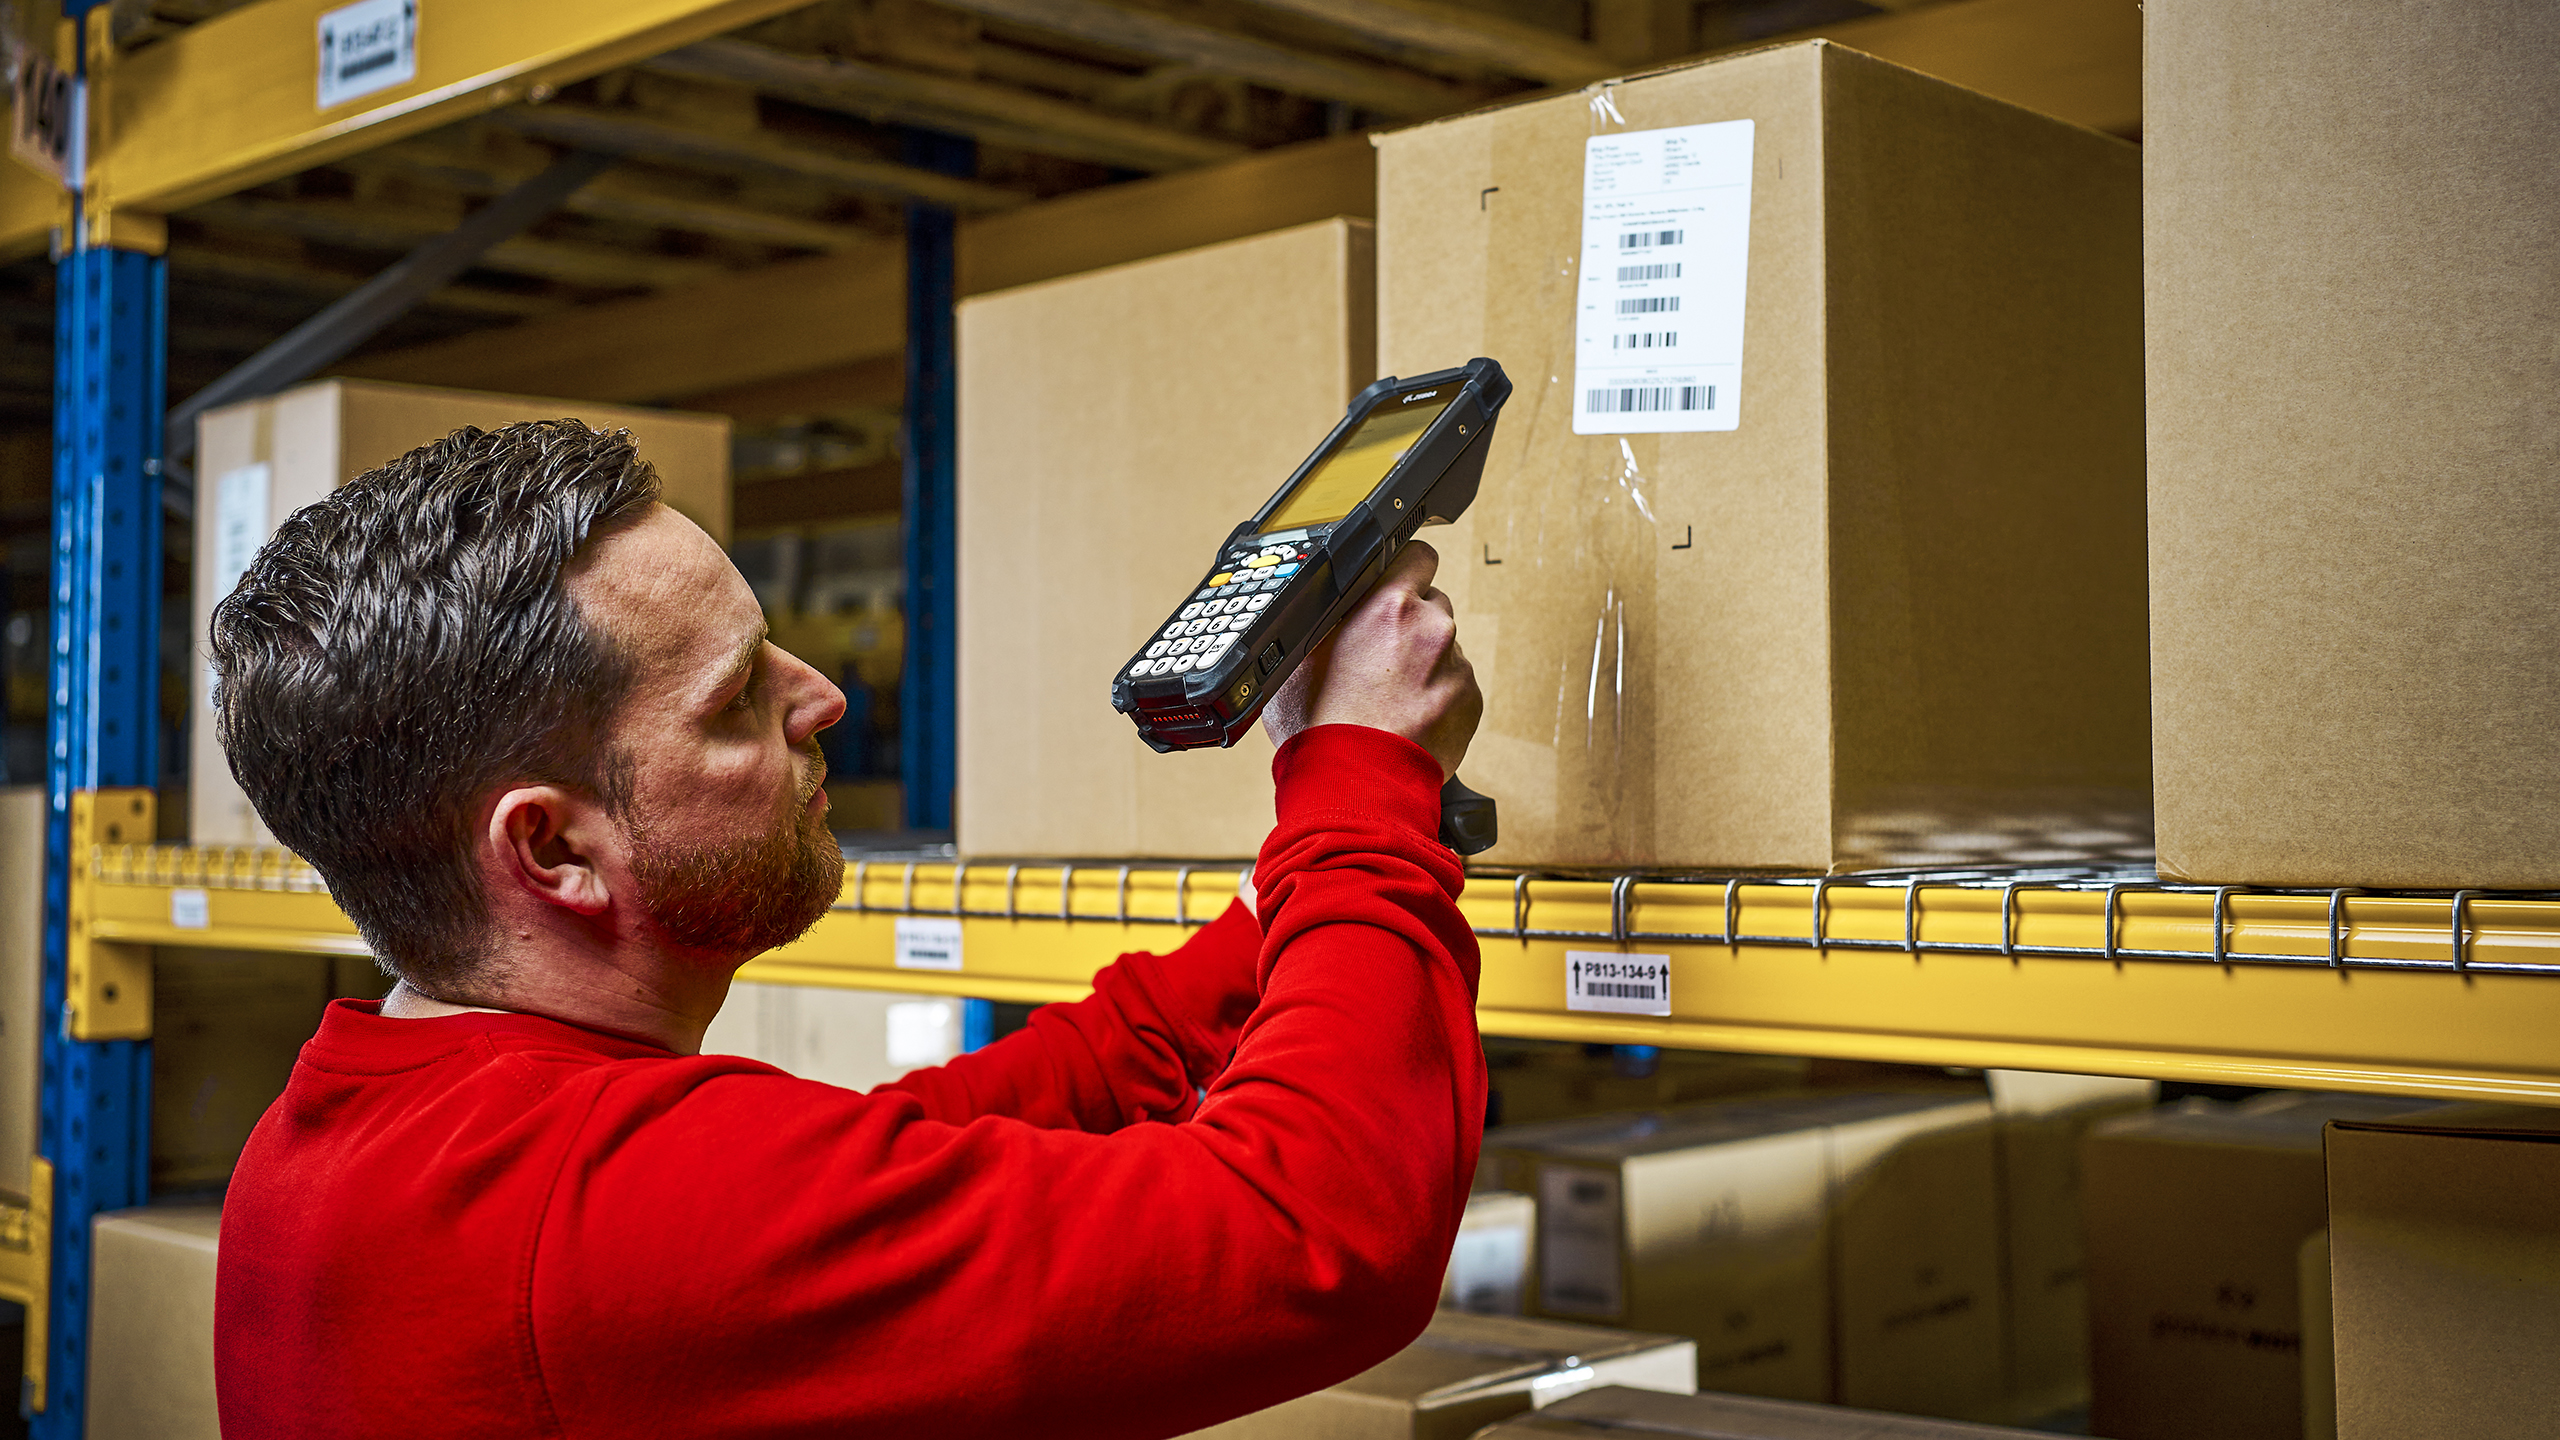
x=368, y=46
x=1620, y=984
x=928, y=945
x=1666, y=230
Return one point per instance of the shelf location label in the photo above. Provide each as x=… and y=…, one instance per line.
x=928, y=945
x=368, y=46
x=1607, y=981
x=1666, y=246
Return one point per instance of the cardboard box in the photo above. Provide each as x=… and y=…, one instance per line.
x=1466, y=1371
x=2319, y=1340
x=1903, y=596
x=1491, y=1266
x=2350, y=272
x=261, y=460
x=1615, y=1413
x=151, y=1325
x=2444, y=1267
x=1555, y=1082
x=1817, y=1247
x=2041, y=1120
x=853, y=1038
x=1113, y=428
x=2195, y=1215
x=21, y=962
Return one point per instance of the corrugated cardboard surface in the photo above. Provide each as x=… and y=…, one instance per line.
x=1909, y=586
x=1466, y=1371
x=316, y=437
x=1611, y=1414
x=151, y=1326
x=1113, y=428
x=2444, y=1254
x=2353, y=277
x=1818, y=1247
x=2041, y=1119
x=2195, y=1218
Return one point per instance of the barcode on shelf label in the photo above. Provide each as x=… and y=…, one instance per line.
x=1605, y=980
x=928, y=945
x=1647, y=196
x=368, y=46
x=1640, y=399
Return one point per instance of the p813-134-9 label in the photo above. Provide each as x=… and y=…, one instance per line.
x=1620, y=984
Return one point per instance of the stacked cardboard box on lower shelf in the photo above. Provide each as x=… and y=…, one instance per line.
x=1610, y=1414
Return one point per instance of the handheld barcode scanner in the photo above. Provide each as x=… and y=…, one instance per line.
x=1407, y=454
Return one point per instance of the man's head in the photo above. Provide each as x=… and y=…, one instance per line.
x=497, y=674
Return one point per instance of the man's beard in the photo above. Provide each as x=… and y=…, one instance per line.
x=744, y=897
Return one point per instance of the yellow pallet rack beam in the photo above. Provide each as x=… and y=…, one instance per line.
x=2446, y=995
x=234, y=101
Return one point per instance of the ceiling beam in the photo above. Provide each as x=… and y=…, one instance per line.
x=1461, y=34
x=588, y=127
x=189, y=261
x=1371, y=87
x=808, y=315
x=995, y=114
x=614, y=195
x=372, y=226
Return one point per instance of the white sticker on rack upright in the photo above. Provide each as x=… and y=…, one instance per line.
x=928, y=945
x=1666, y=246
x=368, y=46
x=1618, y=984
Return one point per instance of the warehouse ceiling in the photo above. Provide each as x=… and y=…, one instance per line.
x=787, y=139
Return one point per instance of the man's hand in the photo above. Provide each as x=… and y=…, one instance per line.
x=1392, y=665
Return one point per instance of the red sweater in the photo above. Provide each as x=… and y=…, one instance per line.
x=503, y=1225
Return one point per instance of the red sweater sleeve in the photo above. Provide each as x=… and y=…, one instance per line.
x=1155, y=1030
x=826, y=1263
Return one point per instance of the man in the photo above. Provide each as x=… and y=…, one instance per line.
x=526, y=722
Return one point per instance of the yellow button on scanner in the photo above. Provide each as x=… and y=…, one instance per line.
x=1221, y=579
x=1260, y=562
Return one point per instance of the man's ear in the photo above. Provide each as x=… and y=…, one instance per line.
x=545, y=839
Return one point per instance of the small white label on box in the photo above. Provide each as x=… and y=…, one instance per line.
x=368, y=46
x=1488, y=1268
x=1666, y=249
x=1578, y=1230
x=190, y=910
x=1619, y=984
x=928, y=945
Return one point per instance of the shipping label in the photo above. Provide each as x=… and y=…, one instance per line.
x=1489, y=1268
x=1607, y=981
x=1666, y=241
x=1579, y=1225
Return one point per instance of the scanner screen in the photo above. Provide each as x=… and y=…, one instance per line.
x=1346, y=477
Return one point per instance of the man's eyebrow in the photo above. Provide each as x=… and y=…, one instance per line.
x=744, y=660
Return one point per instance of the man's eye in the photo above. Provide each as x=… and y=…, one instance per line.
x=746, y=698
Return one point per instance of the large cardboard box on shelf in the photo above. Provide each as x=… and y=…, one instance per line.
x=151, y=1328
x=1492, y=1265
x=1113, y=428
x=2444, y=1269
x=2195, y=1216
x=1818, y=1247
x=260, y=460
x=2042, y=1119
x=1465, y=1372
x=1534, y=1084
x=853, y=1038
x=1852, y=573
x=2350, y=272
x=1616, y=1413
